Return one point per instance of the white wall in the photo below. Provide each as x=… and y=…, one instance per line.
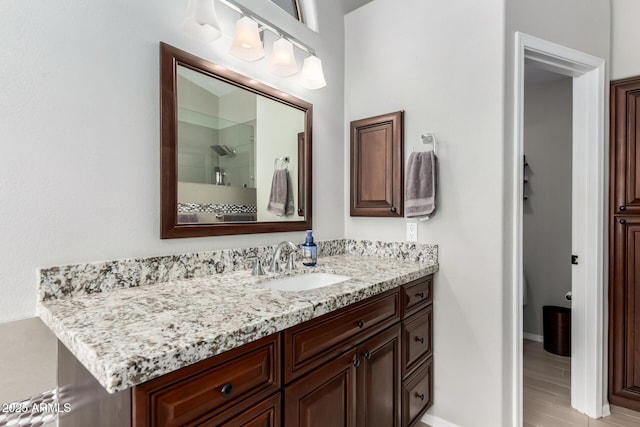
x=625, y=39
x=547, y=210
x=79, y=126
x=442, y=62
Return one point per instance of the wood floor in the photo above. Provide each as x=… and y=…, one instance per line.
x=547, y=394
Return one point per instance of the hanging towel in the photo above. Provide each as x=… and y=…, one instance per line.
x=420, y=186
x=281, y=197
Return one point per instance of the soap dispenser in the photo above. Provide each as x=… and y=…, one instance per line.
x=309, y=251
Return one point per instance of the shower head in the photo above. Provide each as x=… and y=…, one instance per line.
x=223, y=150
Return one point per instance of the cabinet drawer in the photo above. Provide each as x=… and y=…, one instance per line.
x=417, y=294
x=416, y=393
x=416, y=338
x=266, y=413
x=210, y=386
x=312, y=342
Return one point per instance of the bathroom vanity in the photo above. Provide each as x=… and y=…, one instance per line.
x=367, y=364
x=224, y=349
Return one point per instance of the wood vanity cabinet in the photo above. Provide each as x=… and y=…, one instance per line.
x=365, y=365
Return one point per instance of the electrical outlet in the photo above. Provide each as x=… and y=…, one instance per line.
x=412, y=232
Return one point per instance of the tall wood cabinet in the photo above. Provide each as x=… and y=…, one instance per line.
x=624, y=245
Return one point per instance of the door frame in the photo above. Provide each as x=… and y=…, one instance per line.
x=588, y=373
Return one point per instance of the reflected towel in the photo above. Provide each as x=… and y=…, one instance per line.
x=420, y=186
x=281, y=197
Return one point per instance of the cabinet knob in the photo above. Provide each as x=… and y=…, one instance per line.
x=356, y=363
x=367, y=355
x=420, y=294
x=420, y=340
x=622, y=221
x=622, y=208
x=360, y=324
x=420, y=396
x=393, y=209
x=226, y=390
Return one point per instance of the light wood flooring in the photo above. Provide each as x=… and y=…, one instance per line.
x=547, y=394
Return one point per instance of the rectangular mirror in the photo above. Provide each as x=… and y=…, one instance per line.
x=235, y=153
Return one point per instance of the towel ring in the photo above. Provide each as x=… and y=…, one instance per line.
x=429, y=138
x=284, y=160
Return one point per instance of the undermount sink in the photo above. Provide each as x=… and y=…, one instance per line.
x=304, y=282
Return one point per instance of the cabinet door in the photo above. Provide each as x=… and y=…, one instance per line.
x=377, y=166
x=624, y=320
x=324, y=397
x=379, y=380
x=625, y=152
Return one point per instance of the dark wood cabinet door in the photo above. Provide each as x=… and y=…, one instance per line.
x=624, y=321
x=625, y=152
x=377, y=166
x=324, y=397
x=379, y=380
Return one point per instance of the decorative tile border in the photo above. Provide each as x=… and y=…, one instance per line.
x=215, y=208
x=36, y=411
x=70, y=280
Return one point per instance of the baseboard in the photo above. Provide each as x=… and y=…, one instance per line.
x=606, y=410
x=436, y=422
x=532, y=337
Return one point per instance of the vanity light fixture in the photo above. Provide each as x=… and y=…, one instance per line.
x=247, y=44
x=282, y=62
x=202, y=21
x=312, y=76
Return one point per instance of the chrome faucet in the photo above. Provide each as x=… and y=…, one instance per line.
x=275, y=265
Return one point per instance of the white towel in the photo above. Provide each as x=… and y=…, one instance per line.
x=420, y=185
x=281, y=197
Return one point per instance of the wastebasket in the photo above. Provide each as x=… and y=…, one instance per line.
x=556, y=322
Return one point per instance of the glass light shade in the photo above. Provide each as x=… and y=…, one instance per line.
x=312, y=76
x=201, y=21
x=246, y=40
x=282, y=62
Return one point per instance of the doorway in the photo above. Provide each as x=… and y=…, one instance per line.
x=587, y=222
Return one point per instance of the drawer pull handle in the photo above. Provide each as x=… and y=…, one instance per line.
x=420, y=396
x=622, y=208
x=226, y=390
x=420, y=294
x=420, y=340
x=367, y=355
x=622, y=221
x=360, y=324
x=356, y=363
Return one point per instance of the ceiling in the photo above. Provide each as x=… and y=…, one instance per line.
x=350, y=5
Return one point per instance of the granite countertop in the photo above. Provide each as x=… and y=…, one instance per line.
x=132, y=335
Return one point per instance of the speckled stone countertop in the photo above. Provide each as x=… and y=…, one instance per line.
x=132, y=335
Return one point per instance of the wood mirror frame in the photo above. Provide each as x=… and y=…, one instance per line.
x=170, y=58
